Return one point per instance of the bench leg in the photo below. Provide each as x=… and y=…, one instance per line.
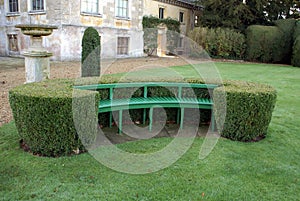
x=181, y=118
x=150, y=118
x=110, y=119
x=144, y=116
x=120, y=121
x=212, y=121
x=178, y=116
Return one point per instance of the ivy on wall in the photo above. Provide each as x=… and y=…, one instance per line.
x=150, y=24
x=153, y=22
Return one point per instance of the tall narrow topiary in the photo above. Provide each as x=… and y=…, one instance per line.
x=90, y=56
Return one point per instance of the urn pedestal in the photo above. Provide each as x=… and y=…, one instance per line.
x=37, y=58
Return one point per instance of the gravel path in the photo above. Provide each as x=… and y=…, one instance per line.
x=12, y=74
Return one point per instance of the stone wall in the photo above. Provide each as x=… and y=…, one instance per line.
x=2, y=30
x=109, y=27
x=65, y=42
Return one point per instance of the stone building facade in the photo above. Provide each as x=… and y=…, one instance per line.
x=119, y=23
x=185, y=11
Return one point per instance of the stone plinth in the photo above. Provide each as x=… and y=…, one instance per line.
x=161, y=40
x=37, y=66
x=37, y=58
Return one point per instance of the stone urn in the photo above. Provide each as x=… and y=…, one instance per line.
x=37, y=62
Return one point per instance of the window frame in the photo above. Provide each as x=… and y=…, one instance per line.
x=120, y=49
x=161, y=12
x=180, y=42
x=8, y=12
x=197, y=20
x=11, y=37
x=36, y=11
x=86, y=12
x=119, y=7
x=181, y=17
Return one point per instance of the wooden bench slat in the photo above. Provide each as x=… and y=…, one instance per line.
x=139, y=102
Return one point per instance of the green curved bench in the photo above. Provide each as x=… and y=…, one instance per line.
x=119, y=104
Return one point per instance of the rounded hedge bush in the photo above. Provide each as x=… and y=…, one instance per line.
x=249, y=108
x=44, y=115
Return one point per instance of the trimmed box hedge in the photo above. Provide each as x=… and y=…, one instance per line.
x=249, y=108
x=44, y=115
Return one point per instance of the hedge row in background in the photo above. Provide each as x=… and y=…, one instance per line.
x=287, y=27
x=44, y=112
x=263, y=43
x=220, y=42
x=296, y=47
x=271, y=44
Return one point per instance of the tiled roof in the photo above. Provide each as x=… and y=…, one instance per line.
x=184, y=3
x=187, y=1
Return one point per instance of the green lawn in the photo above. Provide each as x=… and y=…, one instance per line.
x=265, y=170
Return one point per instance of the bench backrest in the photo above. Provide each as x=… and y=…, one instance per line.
x=146, y=85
